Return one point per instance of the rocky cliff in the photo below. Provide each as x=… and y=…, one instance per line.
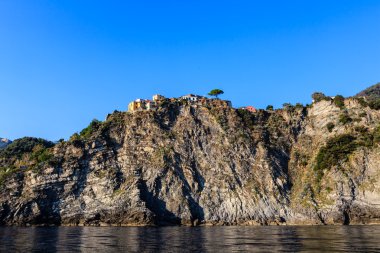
x=202, y=164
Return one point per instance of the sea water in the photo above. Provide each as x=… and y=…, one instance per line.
x=191, y=239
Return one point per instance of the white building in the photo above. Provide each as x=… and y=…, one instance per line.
x=158, y=97
x=191, y=97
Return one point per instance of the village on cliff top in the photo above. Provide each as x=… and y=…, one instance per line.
x=147, y=104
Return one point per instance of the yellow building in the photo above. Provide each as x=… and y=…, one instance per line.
x=132, y=106
x=137, y=104
x=140, y=103
x=143, y=104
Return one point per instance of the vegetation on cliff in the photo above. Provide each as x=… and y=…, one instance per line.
x=23, y=154
x=24, y=145
x=338, y=148
x=372, y=96
x=371, y=93
x=335, y=152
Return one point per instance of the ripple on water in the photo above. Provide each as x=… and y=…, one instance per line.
x=186, y=239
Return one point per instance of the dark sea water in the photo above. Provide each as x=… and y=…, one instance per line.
x=186, y=239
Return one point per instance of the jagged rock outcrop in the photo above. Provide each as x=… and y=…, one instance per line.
x=202, y=164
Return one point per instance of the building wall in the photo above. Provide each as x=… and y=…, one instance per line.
x=132, y=106
x=150, y=105
x=158, y=97
x=190, y=98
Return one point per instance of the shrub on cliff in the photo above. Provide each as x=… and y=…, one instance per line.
x=337, y=149
x=41, y=154
x=319, y=96
x=330, y=126
x=287, y=106
x=247, y=117
x=374, y=104
x=345, y=118
x=339, y=101
x=365, y=137
x=362, y=101
x=94, y=125
x=335, y=152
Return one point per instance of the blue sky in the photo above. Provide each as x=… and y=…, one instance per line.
x=63, y=63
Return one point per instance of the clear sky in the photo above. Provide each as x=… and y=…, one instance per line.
x=63, y=63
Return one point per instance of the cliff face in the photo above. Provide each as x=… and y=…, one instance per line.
x=193, y=164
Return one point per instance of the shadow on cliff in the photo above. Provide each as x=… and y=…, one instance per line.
x=49, y=207
x=158, y=206
x=167, y=117
x=40, y=208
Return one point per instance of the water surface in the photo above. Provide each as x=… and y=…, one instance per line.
x=187, y=239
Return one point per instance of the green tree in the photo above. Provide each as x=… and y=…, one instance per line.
x=270, y=108
x=339, y=101
x=319, y=96
x=215, y=92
